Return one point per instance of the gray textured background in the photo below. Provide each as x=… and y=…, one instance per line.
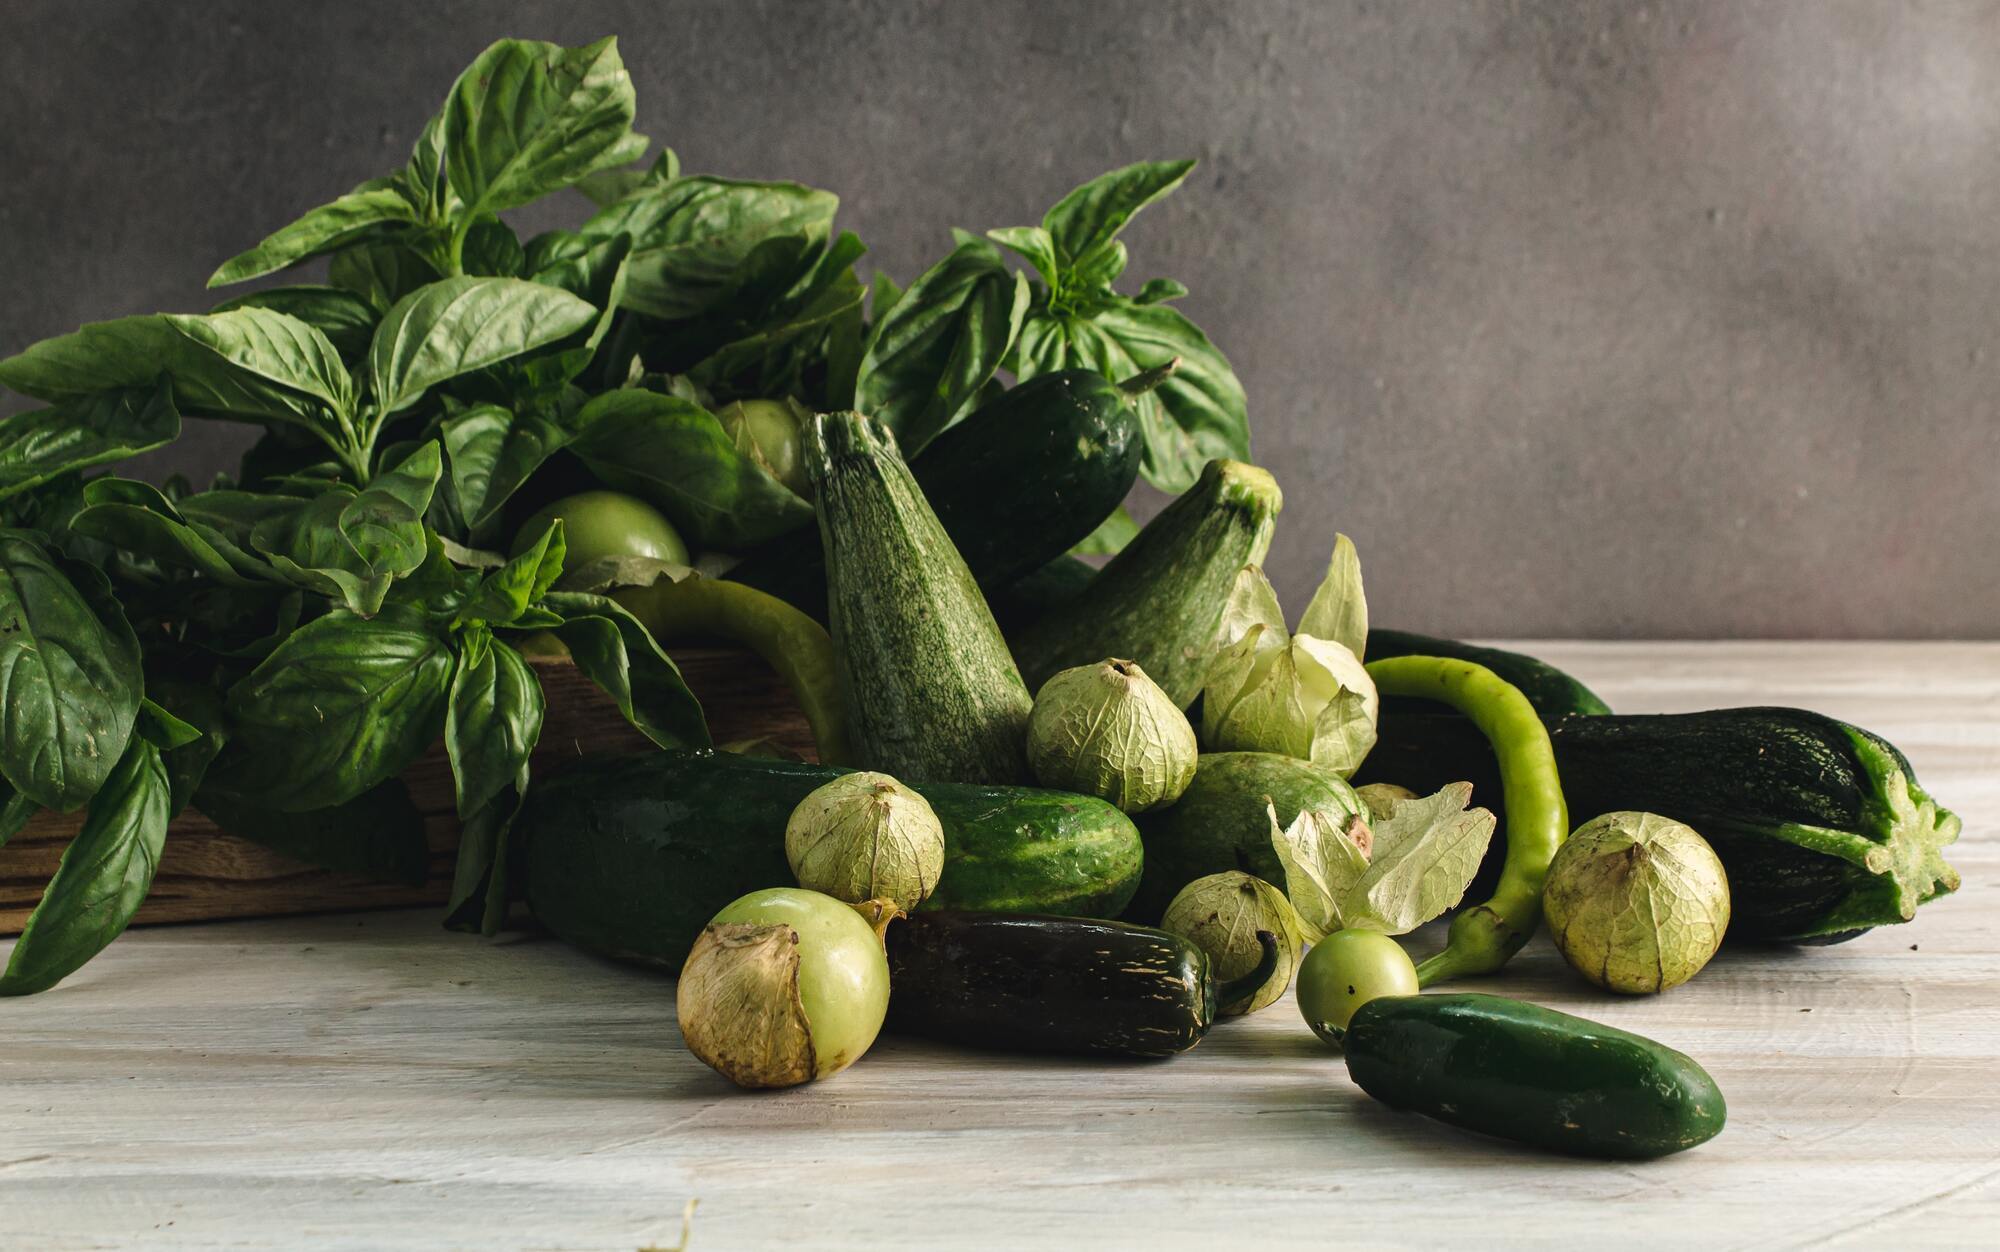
x=1582, y=318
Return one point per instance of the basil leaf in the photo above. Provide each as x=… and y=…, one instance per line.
x=104, y=876
x=493, y=250
x=773, y=361
x=83, y=432
x=379, y=834
x=14, y=813
x=70, y=682
x=883, y=294
x=343, y=704
x=527, y=118
x=381, y=273
x=284, y=371
x=492, y=452
x=1092, y=215
x=199, y=706
x=506, y=593
x=458, y=325
x=1035, y=245
x=614, y=651
x=493, y=725
x=694, y=237
x=1196, y=415
x=351, y=545
x=676, y=455
x=927, y=360
x=135, y=517
x=346, y=319
x=162, y=729
x=370, y=209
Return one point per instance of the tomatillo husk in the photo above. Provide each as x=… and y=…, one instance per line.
x=1108, y=730
x=1636, y=903
x=1221, y=914
x=863, y=837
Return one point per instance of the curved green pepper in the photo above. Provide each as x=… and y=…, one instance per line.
x=1483, y=937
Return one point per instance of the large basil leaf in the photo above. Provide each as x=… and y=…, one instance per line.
x=694, y=237
x=370, y=209
x=1087, y=219
x=772, y=361
x=104, y=876
x=379, y=834
x=527, y=117
x=70, y=682
x=614, y=651
x=607, y=187
x=342, y=705
x=491, y=453
x=927, y=360
x=77, y=434
x=676, y=454
x=284, y=369
x=351, y=545
x=458, y=325
x=493, y=725
x=345, y=318
x=277, y=349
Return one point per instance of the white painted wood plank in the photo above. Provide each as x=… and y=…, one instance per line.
x=361, y=1082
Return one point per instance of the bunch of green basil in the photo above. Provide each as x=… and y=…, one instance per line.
x=279, y=648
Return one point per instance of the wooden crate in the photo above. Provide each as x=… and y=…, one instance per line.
x=205, y=874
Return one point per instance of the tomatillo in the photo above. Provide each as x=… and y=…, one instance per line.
x=599, y=524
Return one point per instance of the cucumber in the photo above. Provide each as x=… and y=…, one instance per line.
x=1160, y=601
x=1024, y=983
x=630, y=856
x=1821, y=826
x=1521, y=1072
x=1554, y=693
x=1019, y=482
x=931, y=691
x=1221, y=822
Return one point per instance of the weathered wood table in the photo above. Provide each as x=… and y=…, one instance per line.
x=370, y=1081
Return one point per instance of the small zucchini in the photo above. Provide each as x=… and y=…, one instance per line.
x=1518, y=1071
x=1031, y=983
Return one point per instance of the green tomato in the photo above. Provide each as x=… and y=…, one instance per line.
x=843, y=973
x=598, y=524
x=1344, y=971
x=768, y=432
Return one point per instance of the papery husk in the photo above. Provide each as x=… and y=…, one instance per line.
x=739, y=1007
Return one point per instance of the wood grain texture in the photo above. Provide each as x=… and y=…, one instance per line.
x=371, y=1081
x=206, y=874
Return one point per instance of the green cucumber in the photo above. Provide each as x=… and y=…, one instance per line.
x=630, y=856
x=1222, y=822
x=1159, y=602
x=1554, y=694
x=1019, y=482
x=931, y=691
x=1821, y=826
x=1521, y=1072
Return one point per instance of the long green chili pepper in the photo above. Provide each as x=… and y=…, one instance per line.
x=1484, y=936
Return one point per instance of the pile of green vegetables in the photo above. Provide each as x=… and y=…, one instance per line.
x=1056, y=808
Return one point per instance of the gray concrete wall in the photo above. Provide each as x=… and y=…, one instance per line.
x=1582, y=318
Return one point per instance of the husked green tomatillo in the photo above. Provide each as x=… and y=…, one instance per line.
x=1637, y=903
x=1107, y=730
x=866, y=837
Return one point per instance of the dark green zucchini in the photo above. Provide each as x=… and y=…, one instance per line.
x=1027, y=983
x=1022, y=603
x=1554, y=694
x=931, y=691
x=1160, y=601
x=1222, y=822
x=1019, y=482
x=1821, y=826
x=1521, y=1072
x=630, y=856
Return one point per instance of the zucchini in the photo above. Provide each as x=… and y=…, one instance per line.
x=1160, y=601
x=1221, y=822
x=1521, y=1072
x=930, y=688
x=1024, y=602
x=1019, y=482
x=1554, y=694
x=1821, y=826
x=631, y=856
x=1026, y=983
